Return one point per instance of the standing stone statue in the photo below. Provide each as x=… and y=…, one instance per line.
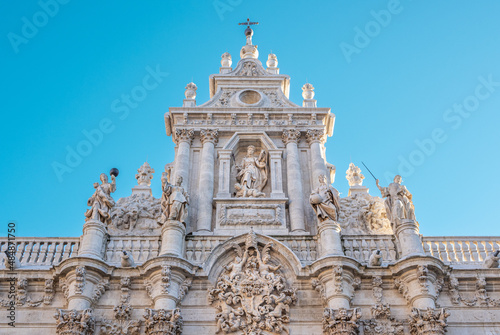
x=398, y=201
x=101, y=201
x=174, y=200
x=324, y=201
x=252, y=174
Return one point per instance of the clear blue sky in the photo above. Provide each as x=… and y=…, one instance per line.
x=391, y=83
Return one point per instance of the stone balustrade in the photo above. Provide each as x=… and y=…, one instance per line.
x=42, y=251
x=360, y=247
x=142, y=248
x=460, y=250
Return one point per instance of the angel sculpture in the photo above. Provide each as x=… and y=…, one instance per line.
x=324, y=201
x=252, y=174
x=267, y=270
x=236, y=267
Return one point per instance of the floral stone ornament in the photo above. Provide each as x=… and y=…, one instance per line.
x=251, y=296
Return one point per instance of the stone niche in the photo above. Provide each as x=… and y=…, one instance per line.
x=263, y=210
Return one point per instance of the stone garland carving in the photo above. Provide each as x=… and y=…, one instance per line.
x=81, y=273
x=224, y=220
x=64, y=287
x=149, y=288
x=144, y=175
x=22, y=297
x=341, y=321
x=251, y=296
x=338, y=272
x=122, y=325
x=402, y=288
x=162, y=321
x=423, y=277
x=166, y=276
x=382, y=321
x=428, y=321
x=99, y=290
x=138, y=211
x=320, y=288
x=101, y=201
x=252, y=174
x=363, y=214
x=480, y=298
x=183, y=289
x=75, y=322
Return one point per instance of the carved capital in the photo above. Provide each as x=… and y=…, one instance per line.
x=162, y=321
x=75, y=322
x=290, y=135
x=428, y=321
x=341, y=321
x=209, y=135
x=184, y=135
x=315, y=136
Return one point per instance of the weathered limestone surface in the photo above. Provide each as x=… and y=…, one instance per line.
x=249, y=237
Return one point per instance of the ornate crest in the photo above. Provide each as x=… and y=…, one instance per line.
x=251, y=296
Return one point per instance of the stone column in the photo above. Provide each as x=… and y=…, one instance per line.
x=294, y=180
x=209, y=138
x=173, y=234
x=316, y=138
x=93, y=240
x=408, y=236
x=183, y=138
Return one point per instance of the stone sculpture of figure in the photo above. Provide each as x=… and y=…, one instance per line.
x=101, y=201
x=174, y=201
x=252, y=174
x=324, y=201
x=398, y=201
x=354, y=175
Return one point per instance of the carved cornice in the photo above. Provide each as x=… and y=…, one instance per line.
x=315, y=136
x=184, y=135
x=290, y=136
x=209, y=135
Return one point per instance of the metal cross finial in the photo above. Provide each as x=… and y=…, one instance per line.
x=248, y=23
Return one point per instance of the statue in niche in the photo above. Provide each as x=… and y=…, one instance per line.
x=101, y=201
x=398, y=201
x=174, y=200
x=252, y=175
x=325, y=201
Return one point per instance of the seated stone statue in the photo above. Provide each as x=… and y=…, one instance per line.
x=174, y=201
x=398, y=201
x=101, y=201
x=324, y=201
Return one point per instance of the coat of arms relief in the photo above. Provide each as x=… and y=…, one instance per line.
x=252, y=296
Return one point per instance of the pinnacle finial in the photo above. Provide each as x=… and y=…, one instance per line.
x=248, y=31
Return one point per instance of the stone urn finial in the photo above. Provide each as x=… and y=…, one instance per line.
x=226, y=60
x=191, y=91
x=308, y=91
x=272, y=61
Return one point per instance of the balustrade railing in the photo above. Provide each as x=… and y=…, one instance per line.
x=360, y=247
x=460, y=250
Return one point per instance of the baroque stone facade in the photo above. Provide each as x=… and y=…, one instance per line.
x=249, y=236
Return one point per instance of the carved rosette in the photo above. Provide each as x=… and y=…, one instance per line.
x=341, y=321
x=290, y=135
x=428, y=321
x=163, y=322
x=74, y=322
x=184, y=135
x=209, y=135
x=251, y=296
x=315, y=136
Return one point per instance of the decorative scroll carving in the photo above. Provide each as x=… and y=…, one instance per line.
x=428, y=321
x=23, y=299
x=166, y=276
x=338, y=272
x=383, y=327
x=423, y=276
x=341, y=321
x=183, y=289
x=162, y=321
x=481, y=297
x=251, y=295
x=402, y=288
x=184, y=135
x=320, y=288
x=99, y=290
x=81, y=272
x=250, y=69
x=75, y=322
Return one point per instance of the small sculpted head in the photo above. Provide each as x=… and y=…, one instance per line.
x=398, y=179
x=104, y=178
x=250, y=150
x=322, y=179
x=178, y=181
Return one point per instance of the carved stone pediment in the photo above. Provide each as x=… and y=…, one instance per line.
x=136, y=214
x=255, y=97
x=252, y=296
